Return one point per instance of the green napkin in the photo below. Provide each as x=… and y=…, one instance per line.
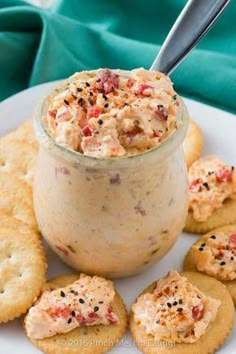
x=39, y=45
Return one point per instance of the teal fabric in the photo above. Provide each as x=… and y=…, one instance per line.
x=39, y=45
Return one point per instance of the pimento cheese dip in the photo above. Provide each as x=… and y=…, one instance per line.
x=86, y=302
x=110, y=115
x=216, y=256
x=176, y=310
x=111, y=186
x=211, y=182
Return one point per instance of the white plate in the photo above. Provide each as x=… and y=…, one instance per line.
x=219, y=129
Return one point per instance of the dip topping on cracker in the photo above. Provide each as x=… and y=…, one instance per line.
x=86, y=302
x=176, y=310
x=107, y=113
x=216, y=256
x=211, y=182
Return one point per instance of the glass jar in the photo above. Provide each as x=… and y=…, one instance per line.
x=111, y=217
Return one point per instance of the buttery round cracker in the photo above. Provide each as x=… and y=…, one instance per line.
x=86, y=339
x=22, y=271
x=193, y=143
x=25, y=132
x=16, y=199
x=190, y=266
x=225, y=215
x=216, y=333
x=18, y=158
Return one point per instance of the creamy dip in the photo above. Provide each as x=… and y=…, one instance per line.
x=104, y=207
x=86, y=302
x=216, y=255
x=109, y=114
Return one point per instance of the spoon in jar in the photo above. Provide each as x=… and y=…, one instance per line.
x=194, y=21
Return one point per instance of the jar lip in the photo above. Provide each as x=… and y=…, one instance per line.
x=177, y=136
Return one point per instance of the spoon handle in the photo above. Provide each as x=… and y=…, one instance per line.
x=193, y=22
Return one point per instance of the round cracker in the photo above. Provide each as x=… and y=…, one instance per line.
x=8, y=220
x=25, y=132
x=101, y=338
x=193, y=143
x=16, y=199
x=22, y=271
x=18, y=158
x=216, y=333
x=190, y=266
x=225, y=215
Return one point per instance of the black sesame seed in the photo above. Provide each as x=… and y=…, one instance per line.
x=180, y=309
x=72, y=291
x=169, y=304
x=73, y=313
x=176, y=287
x=213, y=237
x=206, y=185
x=96, y=308
x=90, y=101
x=222, y=263
x=80, y=100
x=69, y=321
x=106, y=105
x=81, y=301
x=201, y=249
x=180, y=301
x=100, y=121
x=66, y=102
x=203, y=245
x=232, y=258
x=63, y=294
x=90, y=92
x=74, y=96
x=104, y=96
x=100, y=302
x=79, y=89
x=175, y=303
x=174, y=97
x=232, y=168
x=87, y=84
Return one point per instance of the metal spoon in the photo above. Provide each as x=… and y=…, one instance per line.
x=194, y=21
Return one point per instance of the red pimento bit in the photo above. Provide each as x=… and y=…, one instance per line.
x=107, y=81
x=53, y=113
x=162, y=112
x=197, y=314
x=232, y=238
x=194, y=183
x=130, y=82
x=86, y=131
x=93, y=111
x=225, y=174
x=142, y=88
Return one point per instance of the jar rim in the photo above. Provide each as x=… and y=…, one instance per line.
x=174, y=139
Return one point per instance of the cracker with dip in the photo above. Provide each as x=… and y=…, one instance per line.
x=212, y=203
x=181, y=314
x=215, y=254
x=77, y=313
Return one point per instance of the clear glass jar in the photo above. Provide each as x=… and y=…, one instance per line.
x=112, y=217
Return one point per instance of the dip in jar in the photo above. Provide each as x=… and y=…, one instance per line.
x=111, y=191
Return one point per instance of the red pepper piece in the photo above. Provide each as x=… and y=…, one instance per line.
x=53, y=113
x=225, y=174
x=197, y=314
x=86, y=131
x=107, y=81
x=93, y=111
